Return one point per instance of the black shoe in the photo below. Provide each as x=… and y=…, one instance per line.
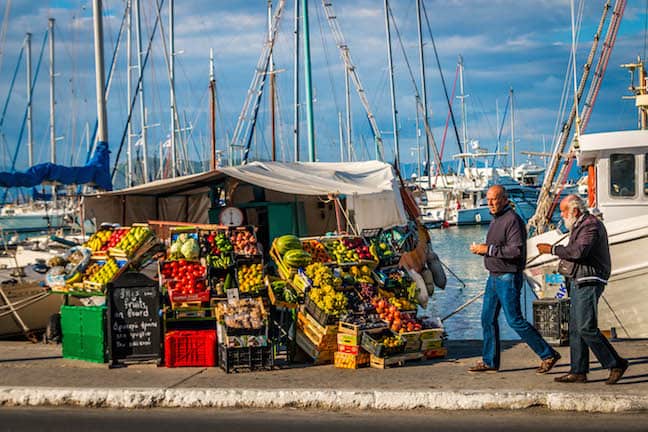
x=571, y=378
x=617, y=373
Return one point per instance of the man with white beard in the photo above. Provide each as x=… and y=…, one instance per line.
x=585, y=262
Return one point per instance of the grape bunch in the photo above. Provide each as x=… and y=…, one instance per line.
x=331, y=302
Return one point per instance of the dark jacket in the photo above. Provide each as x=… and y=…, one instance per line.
x=506, y=241
x=588, y=248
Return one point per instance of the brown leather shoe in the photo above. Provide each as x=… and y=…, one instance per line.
x=481, y=367
x=617, y=373
x=548, y=363
x=571, y=378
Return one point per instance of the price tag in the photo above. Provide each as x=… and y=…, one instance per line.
x=232, y=295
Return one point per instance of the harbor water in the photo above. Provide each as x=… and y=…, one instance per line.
x=452, y=246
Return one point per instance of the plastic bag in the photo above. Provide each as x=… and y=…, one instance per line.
x=422, y=293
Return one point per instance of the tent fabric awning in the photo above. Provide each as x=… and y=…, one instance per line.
x=370, y=188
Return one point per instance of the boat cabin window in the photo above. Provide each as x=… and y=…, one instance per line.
x=622, y=175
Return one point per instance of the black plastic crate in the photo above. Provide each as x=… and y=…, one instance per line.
x=245, y=359
x=551, y=319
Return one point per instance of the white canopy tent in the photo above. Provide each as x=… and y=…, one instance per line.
x=370, y=190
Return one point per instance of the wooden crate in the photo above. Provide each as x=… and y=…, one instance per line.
x=306, y=318
x=430, y=344
x=323, y=339
x=433, y=333
x=350, y=361
x=273, y=298
x=354, y=329
x=348, y=339
x=318, y=356
x=436, y=353
x=350, y=349
x=397, y=360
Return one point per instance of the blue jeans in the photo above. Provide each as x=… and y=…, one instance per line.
x=584, y=333
x=503, y=292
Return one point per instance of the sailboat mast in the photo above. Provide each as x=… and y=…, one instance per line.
x=172, y=98
x=424, y=91
x=464, y=121
x=348, y=112
x=309, y=89
x=100, y=76
x=51, y=88
x=129, y=91
x=512, y=135
x=140, y=59
x=341, y=134
x=272, y=89
x=296, y=85
x=30, y=136
x=391, y=86
x=212, y=108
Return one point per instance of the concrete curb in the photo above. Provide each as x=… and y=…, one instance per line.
x=318, y=398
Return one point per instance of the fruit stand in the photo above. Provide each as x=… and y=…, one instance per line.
x=358, y=307
x=338, y=299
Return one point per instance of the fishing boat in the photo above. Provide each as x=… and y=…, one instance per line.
x=617, y=164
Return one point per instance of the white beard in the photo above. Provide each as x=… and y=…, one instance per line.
x=570, y=221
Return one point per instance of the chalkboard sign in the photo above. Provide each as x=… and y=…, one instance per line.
x=134, y=330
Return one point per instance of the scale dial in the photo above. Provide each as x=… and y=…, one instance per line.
x=231, y=216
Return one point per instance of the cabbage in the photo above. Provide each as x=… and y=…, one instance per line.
x=190, y=249
x=175, y=248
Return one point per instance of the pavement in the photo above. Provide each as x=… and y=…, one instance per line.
x=38, y=375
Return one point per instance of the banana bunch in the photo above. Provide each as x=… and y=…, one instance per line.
x=99, y=238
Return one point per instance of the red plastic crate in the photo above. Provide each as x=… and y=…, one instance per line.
x=190, y=348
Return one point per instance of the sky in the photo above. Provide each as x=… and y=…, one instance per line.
x=505, y=44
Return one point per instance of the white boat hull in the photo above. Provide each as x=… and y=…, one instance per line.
x=624, y=304
x=34, y=222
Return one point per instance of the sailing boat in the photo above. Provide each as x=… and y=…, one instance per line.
x=25, y=306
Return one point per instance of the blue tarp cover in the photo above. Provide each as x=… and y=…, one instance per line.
x=96, y=173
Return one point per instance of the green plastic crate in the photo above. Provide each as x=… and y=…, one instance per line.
x=83, y=333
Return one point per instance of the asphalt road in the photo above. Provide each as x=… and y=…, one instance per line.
x=175, y=420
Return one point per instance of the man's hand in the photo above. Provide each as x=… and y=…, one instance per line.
x=544, y=248
x=479, y=249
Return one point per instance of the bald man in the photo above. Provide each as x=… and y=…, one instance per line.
x=588, y=253
x=504, y=257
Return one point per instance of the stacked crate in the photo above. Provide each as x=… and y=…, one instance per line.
x=432, y=343
x=318, y=341
x=349, y=354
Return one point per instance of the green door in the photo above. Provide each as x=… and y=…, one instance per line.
x=281, y=220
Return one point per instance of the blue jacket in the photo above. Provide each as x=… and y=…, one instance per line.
x=506, y=241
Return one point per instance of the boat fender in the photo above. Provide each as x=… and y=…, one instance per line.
x=438, y=274
x=40, y=267
x=427, y=276
x=421, y=290
x=478, y=218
